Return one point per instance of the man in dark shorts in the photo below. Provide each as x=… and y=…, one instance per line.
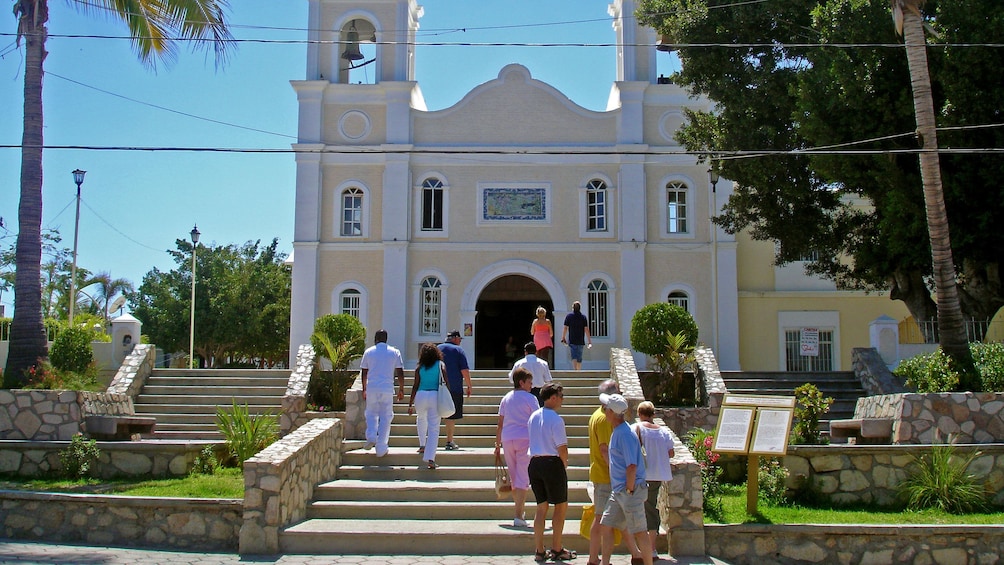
x=458, y=373
x=548, y=475
x=575, y=334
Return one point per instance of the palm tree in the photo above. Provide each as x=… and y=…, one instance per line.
x=951, y=326
x=155, y=26
x=107, y=288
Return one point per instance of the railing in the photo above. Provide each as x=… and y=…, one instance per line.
x=50, y=331
x=926, y=331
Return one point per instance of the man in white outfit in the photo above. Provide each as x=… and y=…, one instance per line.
x=537, y=367
x=380, y=364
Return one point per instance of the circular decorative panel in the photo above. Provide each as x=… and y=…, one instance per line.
x=354, y=125
x=670, y=122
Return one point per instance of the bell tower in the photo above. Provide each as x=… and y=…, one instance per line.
x=635, y=44
x=356, y=41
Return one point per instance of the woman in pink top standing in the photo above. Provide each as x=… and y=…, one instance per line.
x=543, y=335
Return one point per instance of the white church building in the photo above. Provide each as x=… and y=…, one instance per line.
x=470, y=217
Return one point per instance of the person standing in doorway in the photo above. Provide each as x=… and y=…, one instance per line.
x=380, y=365
x=576, y=334
x=548, y=473
x=458, y=377
x=424, y=396
x=543, y=334
x=536, y=367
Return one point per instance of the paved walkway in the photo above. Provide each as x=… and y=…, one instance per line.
x=19, y=552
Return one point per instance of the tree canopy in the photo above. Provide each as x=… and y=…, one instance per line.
x=805, y=75
x=242, y=302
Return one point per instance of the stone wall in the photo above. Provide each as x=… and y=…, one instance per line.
x=681, y=502
x=134, y=371
x=279, y=482
x=354, y=421
x=53, y=415
x=931, y=418
x=874, y=374
x=202, y=524
x=866, y=474
x=294, y=402
x=117, y=458
x=766, y=544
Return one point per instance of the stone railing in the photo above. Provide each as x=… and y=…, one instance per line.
x=869, y=474
x=874, y=374
x=135, y=369
x=966, y=417
x=681, y=500
x=294, y=402
x=176, y=523
x=116, y=459
x=757, y=544
x=355, y=411
x=279, y=482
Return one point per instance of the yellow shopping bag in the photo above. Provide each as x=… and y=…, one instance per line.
x=588, y=513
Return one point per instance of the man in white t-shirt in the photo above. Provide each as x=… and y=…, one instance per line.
x=381, y=363
x=537, y=367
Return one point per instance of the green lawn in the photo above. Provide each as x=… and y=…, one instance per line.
x=225, y=483
x=734, y=503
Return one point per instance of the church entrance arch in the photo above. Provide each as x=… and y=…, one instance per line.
x=501, y=302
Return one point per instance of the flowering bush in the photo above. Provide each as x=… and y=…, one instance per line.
x=700, y=442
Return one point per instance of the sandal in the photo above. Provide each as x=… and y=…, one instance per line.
x=563, y=555
x=541, y=556
x=432, y=464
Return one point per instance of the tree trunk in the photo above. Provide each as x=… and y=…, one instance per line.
x=951, y=326
x=27, y=334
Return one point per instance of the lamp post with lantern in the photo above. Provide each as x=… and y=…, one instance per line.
x=78, y=178
x=191, y=337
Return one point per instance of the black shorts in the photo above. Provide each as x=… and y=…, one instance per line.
x=548, y=480
x=458, y=402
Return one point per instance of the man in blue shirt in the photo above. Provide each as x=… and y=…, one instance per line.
x=628, y=489
x=457, y=374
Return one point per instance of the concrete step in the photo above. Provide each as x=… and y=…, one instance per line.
x=466, y=456
x=499, y=510
x=150, y=399
x=192, y=435
x=430, y=489
x=465, y=441
x=246, y=382
x=416, y=470
x=214, y=390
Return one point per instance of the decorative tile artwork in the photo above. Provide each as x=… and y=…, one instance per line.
x=514, y=204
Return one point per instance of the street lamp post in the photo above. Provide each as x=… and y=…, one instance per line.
x=191, y=337
x=713, y=177
x=78, y=177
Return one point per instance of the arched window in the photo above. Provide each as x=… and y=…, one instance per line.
x=352, y=212
x=596, y=205
x=677, y=210
x=432, y=205
x=679, y=298
x=599, y=294
x=350, y=302
x=432, y=295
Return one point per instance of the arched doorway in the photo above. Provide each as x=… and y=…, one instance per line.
x=506, y=308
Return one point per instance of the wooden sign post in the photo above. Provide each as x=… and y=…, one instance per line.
x=754, y=425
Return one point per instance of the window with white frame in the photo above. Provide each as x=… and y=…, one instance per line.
x=679, y=298
x=598, y=309
x=677, y=207
x=350, y=302
x=596, y=206
x=432, y=205
x=352, y=212
x=795, y=361
x=432, y=299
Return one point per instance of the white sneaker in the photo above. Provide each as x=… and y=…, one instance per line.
x=369, y=445
x=519, y=523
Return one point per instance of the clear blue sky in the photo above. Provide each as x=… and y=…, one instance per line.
x=135, y=204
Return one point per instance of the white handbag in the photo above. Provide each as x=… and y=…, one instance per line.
x=444, y=401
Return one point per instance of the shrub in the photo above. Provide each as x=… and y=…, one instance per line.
x=989, y=360
x=929, y=372
x=71, y=350
x=326, y=389
x=43, y=376
x=940, y=480
x=78, y=457
x=772, y=480
x=700, y=442
x=205, y=462
x=809, y=406
x=246, y=434
x=668, y=333
x=334, y=330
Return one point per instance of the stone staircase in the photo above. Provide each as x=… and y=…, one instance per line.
x=184, y=401
x=843, y=386
x=394, y=505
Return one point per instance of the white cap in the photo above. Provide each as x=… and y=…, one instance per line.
x=614, y=402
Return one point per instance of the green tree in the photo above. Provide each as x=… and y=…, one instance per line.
x=242, y=303
x=156, y=27
x=106, y=288
x=784, y=79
